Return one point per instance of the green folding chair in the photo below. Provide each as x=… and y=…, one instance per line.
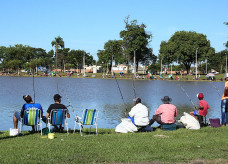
x=89, y=117
x=31, y=117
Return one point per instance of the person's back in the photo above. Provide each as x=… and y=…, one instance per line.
x=28, y=105
x=168, y=112
x=140, y=114
x=165, y=113
x=57, y=105
x=205, y=107
x=32, y=106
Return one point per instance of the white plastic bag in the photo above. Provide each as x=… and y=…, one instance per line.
x=126, y=126
x=189, y=122
x=13, y=132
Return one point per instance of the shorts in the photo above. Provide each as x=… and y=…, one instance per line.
x=17, y=115
x=196, y=113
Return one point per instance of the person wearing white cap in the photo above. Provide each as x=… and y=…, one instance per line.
x=139, y=114
x=224, y=103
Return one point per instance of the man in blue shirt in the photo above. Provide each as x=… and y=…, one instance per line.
x=28, y=105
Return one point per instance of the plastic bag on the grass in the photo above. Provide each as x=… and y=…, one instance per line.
x=13, y=132
x=189, y=122
x=126, y=126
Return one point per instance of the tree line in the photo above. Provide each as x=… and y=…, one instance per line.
x=25, y=57
x=183, y=49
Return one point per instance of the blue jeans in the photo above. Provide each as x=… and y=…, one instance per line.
x=224, y=111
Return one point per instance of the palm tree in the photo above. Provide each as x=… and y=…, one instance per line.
x=58, y=43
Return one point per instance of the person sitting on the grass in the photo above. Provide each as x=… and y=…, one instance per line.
x=203, y=107
x=57, y=105
x=29, y=104
x=139, y=114
x=166, y=113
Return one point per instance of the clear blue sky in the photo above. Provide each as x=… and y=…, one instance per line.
x=88, y=24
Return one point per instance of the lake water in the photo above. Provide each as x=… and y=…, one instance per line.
x=103, y=95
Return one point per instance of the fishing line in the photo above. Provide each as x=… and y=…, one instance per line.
x=133, y=84
x=218, y=91
x=33, y=81
x=120, y=93
x=70, y=105
x=188, y=96
x=57, y=83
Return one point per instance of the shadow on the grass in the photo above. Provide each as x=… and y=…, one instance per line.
x=20, y=135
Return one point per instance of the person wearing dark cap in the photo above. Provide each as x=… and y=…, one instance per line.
x=203, y=107
x=28, y=105
x=57, y=105
x=166, y=113
x=224, y=103
x=139, y=114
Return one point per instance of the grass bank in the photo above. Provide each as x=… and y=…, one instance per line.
x=208, y=145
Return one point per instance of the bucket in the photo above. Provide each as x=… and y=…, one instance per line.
x=51, y=135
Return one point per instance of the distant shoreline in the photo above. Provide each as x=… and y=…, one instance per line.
x=128, y=76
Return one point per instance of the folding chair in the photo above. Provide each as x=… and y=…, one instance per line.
x=58, y=117
x=214, y=122
x=89, y=117
x=32, y=117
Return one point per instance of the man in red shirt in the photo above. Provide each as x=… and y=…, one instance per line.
x=203, y=107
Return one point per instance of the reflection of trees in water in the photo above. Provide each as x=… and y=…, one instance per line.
x=183, y=108
x=112, y=113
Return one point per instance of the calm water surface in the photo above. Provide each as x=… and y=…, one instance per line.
x=104, y=95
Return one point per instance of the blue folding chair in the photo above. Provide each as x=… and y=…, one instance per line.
x=89, y=117
x=31, y=117
x=58, y=117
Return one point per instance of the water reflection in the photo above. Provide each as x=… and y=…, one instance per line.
x=104, y=95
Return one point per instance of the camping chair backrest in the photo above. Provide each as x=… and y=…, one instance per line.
x=58, y=116
x=31, y=116
x=89, y=117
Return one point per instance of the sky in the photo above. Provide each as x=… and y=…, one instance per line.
x=88, y=24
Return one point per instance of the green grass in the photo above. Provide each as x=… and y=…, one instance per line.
x=207, y=144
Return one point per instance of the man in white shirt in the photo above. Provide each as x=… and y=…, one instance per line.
x=139, y=114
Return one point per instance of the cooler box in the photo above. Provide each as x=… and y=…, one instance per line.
x=169, y=127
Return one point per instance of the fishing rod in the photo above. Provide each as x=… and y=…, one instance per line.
x=218, y=91
x=188, y=96
x=33, y=81
x=70, y=105
x=121, y=94
x=133, y=84
x=57, y=83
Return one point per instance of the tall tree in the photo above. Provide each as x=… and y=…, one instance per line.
x=135, y=39
x=75, y=58
x=62, y=55
x=103, y=60
x=226, y=44
x=113, y=51
x=183, y=46
x=57, y=43
x=218, y=61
